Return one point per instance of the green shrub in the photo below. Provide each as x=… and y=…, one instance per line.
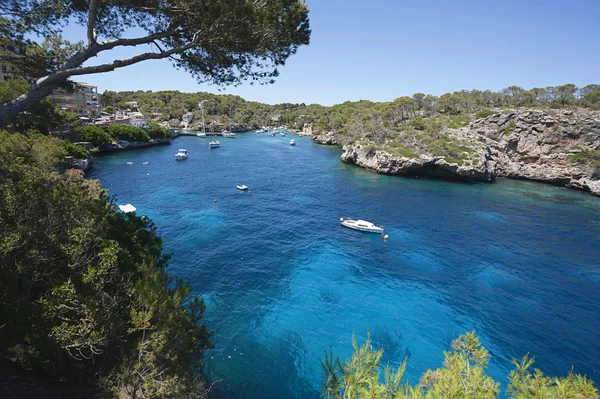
x=128, y=133
x=96, y=135
x=399, y=149
x=419, y=123
x=157, y=131
x=484, y=113
x=585, y=156
x=76, y=151
x=458, y=121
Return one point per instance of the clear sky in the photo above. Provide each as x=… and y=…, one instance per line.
x=383, y=49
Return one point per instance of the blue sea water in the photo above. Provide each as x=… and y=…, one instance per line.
x=518, y=262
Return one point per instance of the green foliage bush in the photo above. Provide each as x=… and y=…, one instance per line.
x=128, y=133
x=484, y=113
x=586, y=156
x=85, y=293
x=76, y=151
x=157, y=131
x=96, y=135
x=459, y=121
x=462, y=376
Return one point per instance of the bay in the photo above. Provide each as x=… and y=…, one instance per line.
x=518, y=262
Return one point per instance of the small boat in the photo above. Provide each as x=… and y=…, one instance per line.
x=361, y=225
x=292, y=142
x=230, y=135
x=129, y=163
x=181, y=154
x=242, y=187
x=214, y=143
x=127, y=208
x=273, y=134
x=201, y=134
x=145, y=163
x=282, y=134
x=260, y=131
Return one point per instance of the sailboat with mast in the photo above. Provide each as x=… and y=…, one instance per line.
x=213, y=142
x=203, y=134
x=230, y=134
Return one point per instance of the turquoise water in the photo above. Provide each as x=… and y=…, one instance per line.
x=519, y=262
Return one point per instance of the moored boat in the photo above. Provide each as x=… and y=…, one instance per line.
x=242, y=187
x=181, y=154
x=214, y=143
x=202, y=134
x=361, y=225
x=292, y=142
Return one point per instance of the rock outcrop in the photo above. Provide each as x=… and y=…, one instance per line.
x=424, y=166
x=326, y=139
x=524, y=144
x=126, y=145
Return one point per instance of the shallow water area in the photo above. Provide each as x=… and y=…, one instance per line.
x=519, y=262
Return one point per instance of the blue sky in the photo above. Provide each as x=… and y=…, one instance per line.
x=383, y=49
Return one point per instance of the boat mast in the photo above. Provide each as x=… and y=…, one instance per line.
x=230, y=117
x=201, y=105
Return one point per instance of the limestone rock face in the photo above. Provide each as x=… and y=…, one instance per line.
x=523, y=144
x=327, y=139
x=534, y=145
x=424, y=166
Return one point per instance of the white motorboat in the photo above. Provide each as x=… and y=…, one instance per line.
x=129, y=163
x=282, y=134
x=181, y=154
x=127, y=208
x=201, y=134
x=242, y=187
x=145, y=163
x=361, y=225
x=214, y=143
x=229, y=135
x=260, y=131
x=292, y=142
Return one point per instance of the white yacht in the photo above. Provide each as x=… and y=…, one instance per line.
x=181, y=154
x=292, y=142
x=242, y=187
x=201, y=134
x=214, y=143
x=361, y=225
x=229, y=135
x=260, y=131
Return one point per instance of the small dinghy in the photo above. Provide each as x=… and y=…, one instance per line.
x=145, y=163
x=361, y=225
x=242, y=187
x=292, y=142
x=129, y=163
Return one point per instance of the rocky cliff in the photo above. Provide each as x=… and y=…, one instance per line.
x=555, y=146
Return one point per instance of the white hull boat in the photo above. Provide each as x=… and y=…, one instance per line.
x=201, y=134
x=181, y=154
x=292, y=142
x=214, y=144
x=229, y=135
x=361, y=225
x=242, y=187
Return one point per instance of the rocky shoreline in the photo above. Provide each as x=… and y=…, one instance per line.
x=87, y=164
x=542, y=145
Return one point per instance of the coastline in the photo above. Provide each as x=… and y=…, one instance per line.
x=547, y=146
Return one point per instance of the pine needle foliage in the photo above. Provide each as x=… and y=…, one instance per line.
x=462, y=376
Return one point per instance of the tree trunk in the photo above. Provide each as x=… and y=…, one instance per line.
x=35, y=94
